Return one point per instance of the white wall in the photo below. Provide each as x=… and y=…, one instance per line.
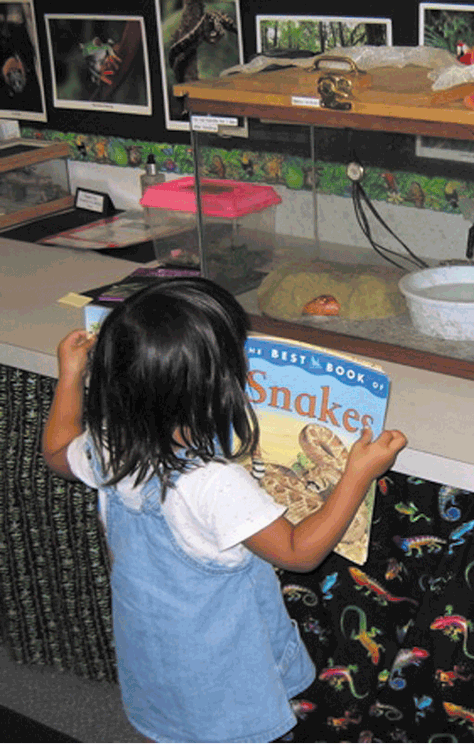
x=121, y=184
x=434, y=235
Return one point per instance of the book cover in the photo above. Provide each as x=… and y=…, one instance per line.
x=312, y=404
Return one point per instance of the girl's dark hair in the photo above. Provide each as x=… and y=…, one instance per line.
x=168, y=360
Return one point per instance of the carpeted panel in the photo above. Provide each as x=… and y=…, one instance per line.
x=54, y=583
x=16, y=727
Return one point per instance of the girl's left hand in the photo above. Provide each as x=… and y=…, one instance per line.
x=73, y=353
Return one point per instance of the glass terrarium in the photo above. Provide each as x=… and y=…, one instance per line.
x=34, y=180
x=229, y=225
x=224, y=218
x=270, y=178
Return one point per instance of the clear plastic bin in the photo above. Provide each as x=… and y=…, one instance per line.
x=229, y=226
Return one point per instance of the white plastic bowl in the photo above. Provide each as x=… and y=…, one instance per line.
x=441, y=301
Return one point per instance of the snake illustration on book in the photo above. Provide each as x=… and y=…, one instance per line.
x=305, y=486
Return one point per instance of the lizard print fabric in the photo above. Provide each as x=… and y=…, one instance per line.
x=393, y=640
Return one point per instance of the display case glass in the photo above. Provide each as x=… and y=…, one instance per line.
x=255, y=204
x=340, y=296
x=34, y=181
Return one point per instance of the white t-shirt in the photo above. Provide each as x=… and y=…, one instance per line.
x=211, y=511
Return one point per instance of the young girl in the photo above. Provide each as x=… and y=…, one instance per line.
x=205, y=648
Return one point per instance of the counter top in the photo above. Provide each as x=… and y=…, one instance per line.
x=33, y=278
x=435, y=410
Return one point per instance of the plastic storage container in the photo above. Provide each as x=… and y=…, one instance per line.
x=230, y=227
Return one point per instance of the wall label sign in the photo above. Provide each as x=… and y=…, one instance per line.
x=93, y=201
x=306, y=101
x=212, y=123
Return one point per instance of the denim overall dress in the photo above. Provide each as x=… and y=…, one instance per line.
x=204, y=652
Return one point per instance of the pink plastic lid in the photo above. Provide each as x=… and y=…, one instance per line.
x=220, y=198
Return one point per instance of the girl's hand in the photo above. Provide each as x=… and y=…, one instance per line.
x=302, y=547
x=65, y=420
x=368, y=459
x=73, y=354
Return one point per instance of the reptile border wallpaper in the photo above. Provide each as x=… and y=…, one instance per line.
x=420, y=190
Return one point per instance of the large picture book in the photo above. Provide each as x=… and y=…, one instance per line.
x=312, y=404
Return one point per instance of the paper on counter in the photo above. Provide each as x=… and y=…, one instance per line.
x=73, y=299
x=121, y=231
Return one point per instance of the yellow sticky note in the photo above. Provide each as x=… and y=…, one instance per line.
x=73, y=299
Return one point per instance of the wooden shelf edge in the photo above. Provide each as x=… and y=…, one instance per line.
x=36, y=212
x=334, y=119
x=363, y=347
x=41, y=153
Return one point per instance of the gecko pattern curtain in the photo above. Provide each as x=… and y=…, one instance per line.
x=393, y=640
x=54, y=588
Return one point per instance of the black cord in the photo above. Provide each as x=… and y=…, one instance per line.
x=359, y=194
x=470, y=243
x=382, y=222
x=364, y=224
x=365, y=227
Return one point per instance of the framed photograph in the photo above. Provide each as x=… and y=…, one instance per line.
x=21, y=81
x=99, y=63
x=319, y=34
x=450, y=27
x=197, y=41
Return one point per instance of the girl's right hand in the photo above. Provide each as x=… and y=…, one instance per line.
x=73, y=353
x=368, y=459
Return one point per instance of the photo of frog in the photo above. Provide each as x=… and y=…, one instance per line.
x=99, y=62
